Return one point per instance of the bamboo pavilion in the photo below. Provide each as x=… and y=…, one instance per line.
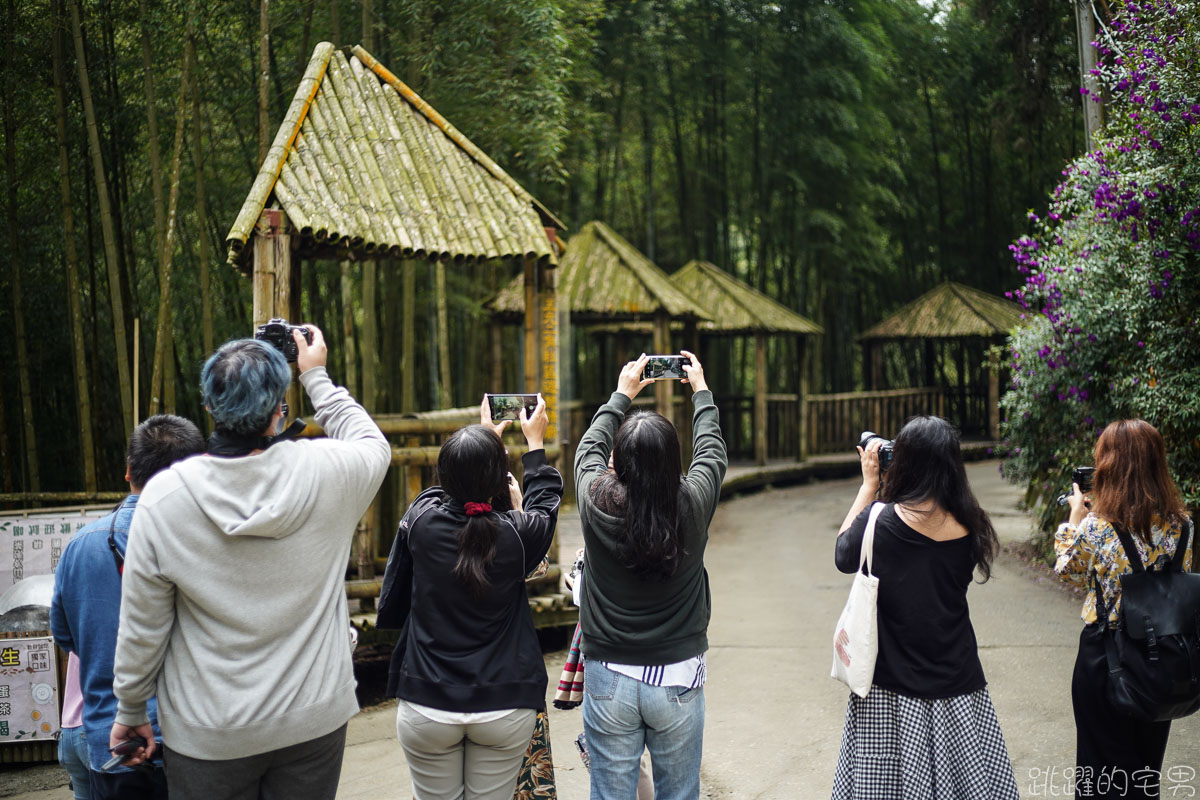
x=946, y=332
x=362, y=169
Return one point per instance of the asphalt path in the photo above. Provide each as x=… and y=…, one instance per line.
x=774, y=716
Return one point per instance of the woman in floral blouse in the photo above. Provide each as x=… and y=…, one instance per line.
x=1116, y=755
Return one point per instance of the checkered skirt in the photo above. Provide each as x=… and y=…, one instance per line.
x=904, y=748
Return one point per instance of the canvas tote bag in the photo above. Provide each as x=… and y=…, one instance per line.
x=856, y=637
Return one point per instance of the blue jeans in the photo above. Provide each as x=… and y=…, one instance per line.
x=73, y=756
x=621, y=716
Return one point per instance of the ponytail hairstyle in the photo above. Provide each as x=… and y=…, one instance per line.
x=1133, y=484
x=473, y=468
x=644, y=489
x=927, y=465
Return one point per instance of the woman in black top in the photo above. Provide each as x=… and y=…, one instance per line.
x=927, y=728
x=467, y=667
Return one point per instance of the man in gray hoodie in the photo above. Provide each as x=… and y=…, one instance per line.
x=233, y=603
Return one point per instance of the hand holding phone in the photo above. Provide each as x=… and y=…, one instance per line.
x=123, y=750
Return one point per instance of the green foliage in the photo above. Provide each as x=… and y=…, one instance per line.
x=1112, y=286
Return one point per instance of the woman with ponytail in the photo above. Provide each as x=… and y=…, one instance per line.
x=467, y=667
x=645, y=603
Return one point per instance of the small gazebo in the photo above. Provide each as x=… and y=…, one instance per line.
x=738, y=309
x=946, y=330
x=602, y=278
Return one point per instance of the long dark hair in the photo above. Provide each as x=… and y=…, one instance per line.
x=927, y=465
x=473, y=468
x=644, y=489
x=1133, y=483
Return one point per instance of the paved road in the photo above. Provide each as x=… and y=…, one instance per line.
x=774, y=717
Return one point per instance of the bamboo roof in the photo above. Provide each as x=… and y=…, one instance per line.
x=736, y=307
x=361, y=161
x=603, y=277
x=951, y=311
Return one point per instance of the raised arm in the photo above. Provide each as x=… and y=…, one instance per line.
x=591, y=459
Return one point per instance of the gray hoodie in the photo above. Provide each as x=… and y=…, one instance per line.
x=233, y=606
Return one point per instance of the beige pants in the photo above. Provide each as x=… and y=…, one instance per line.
x=480, y=761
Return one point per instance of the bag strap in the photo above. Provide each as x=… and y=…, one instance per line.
x=1131, y=551
x=866, y=550
x=1185, y=534
x=1101, y=611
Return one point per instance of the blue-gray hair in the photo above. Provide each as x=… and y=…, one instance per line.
x=242, y=384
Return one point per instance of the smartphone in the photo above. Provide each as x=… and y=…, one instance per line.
x=665, y=367
x=508, y=406
x=122, y=751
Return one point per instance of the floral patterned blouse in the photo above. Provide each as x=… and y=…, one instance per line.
x=1094, y=549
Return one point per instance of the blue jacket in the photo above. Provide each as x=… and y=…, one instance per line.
x=83, y=618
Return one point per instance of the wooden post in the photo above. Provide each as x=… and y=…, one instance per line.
x=496, y=349
x=874, y=365
x=532, y=373
x=802, y=447
x=760, y=399
x=994, y=394
x=663, y=400
x=548, y=340
x=272, y=259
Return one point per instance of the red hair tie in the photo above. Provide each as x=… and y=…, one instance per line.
x=475, y=509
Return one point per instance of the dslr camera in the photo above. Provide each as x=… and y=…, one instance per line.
x=278, y=334
x=1085, y=477
x=885, y=449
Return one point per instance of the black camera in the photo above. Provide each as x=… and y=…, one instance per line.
x=885, y=449
x=278, y=334
x=1085, y=477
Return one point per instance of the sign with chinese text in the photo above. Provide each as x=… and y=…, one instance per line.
x=32, y=544
x=28, y=689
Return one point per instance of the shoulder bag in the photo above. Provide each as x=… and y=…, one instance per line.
x=1153, y=654
x=856, y=637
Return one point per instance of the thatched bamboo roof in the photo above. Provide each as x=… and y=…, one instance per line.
x=361, y=160
x=602, y=277
x=736, y=307
x=951, y=311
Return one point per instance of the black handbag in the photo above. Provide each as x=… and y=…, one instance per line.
x=1153, y=654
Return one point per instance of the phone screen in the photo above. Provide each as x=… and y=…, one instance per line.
x=508, y=406
x=665, y=367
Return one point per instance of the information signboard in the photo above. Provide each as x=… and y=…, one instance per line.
x=28, y=689
x=31, y=544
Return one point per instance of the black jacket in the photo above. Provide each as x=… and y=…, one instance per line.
x=454, y=653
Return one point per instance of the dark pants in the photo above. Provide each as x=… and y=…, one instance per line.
x=135, y=785
x=1117, y=756
x=310, y=770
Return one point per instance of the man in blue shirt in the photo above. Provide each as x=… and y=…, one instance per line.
x=87, y=605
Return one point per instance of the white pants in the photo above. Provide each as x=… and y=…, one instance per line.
x=478, y=761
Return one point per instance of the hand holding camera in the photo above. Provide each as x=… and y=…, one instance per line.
x=1081, y=484
x=311, y=350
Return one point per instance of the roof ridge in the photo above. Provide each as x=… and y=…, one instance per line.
x=272, y=165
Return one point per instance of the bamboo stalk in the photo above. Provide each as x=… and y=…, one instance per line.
x=348, y=338
x=370, y=336
x=268, y=172
x=264, y=78
x=106, y=221
x=162, y=336
x=445, y=393
x=28, y=430
x=160, y=220
x=408, y=359
x=206, y=310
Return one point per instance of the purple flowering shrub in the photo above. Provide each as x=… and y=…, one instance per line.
x=1112, y=285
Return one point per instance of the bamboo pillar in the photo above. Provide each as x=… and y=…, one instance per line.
x=663, y=396
x=875, y=365
x=548, y=338
x=993, y=406
x=760, y=399
x=496, y=350
x=408, y=337
x=532, y=372
x=802, y=353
